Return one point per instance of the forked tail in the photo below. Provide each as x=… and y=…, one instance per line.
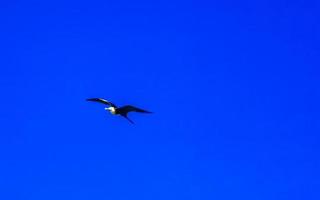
x=125, y=116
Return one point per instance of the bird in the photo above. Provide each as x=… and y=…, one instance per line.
x=122, y=111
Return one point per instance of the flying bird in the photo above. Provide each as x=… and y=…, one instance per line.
x=122, y=111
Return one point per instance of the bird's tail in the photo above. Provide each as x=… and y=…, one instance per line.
x=125, y=116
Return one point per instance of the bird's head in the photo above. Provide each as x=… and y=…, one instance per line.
x=111, y=109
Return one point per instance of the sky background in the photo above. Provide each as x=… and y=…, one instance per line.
x=234, y=87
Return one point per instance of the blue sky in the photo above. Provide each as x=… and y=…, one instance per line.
x=234, y=87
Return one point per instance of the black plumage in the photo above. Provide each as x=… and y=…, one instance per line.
x=123, y=111
x=100, y=100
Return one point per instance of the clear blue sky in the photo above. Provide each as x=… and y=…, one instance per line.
x=234, y=87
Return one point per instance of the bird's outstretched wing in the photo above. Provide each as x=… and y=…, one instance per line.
x=128, y=108
x=104, y=101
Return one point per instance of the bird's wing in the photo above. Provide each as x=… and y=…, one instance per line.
x=100, y=100
x=128, y=108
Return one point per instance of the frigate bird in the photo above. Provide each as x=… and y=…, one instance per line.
x=122, y=111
